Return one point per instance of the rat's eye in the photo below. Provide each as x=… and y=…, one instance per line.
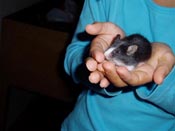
x=117, y=51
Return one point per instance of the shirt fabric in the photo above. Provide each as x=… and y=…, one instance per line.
x=148, y=107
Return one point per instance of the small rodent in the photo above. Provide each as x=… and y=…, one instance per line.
x=129, y=51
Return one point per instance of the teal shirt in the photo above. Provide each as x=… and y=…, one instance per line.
x=149, y=107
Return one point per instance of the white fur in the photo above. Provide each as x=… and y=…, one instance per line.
x=116, y=62
x=120, y=63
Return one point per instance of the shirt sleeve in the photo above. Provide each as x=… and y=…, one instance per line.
x=92, y=11
x=161, y=95
x=75, y=50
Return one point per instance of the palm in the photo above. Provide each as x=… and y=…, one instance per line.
x=104, y=72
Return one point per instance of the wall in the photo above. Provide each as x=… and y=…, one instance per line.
x=10, y=6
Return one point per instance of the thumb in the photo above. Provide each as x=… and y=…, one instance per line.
x=160, y=73
x=104, y=28
x=165, y=64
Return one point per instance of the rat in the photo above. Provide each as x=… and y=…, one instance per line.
x=129, y=51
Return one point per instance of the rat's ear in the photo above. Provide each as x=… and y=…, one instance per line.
x=131, y=49
x=117, y=37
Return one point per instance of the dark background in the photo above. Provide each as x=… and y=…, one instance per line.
x=28, y=110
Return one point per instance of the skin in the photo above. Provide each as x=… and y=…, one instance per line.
x=167, y=3
x=104, y=72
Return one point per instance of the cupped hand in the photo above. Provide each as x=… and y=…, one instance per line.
x=105, y=33
x=155, y=69
x=104, y=72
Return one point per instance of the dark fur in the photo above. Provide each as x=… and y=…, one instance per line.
x=121, y=46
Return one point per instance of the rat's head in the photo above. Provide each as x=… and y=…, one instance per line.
x=129, y=50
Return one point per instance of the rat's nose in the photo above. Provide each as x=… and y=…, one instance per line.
x=108, y=56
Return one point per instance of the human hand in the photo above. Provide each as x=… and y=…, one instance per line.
x=155, y=69
x=105, y=72
x=105, y=34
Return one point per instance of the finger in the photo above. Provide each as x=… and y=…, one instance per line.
x=104, y=83
x=160, y=73
x=101, y=28
x=91, y=64
x=97, y=53
x=98, y=47
x=105, y=32
x=165, y=64
x=112, y=75
x=95, y=77
x=100, y=67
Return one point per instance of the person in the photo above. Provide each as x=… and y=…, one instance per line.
x=117, y=99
